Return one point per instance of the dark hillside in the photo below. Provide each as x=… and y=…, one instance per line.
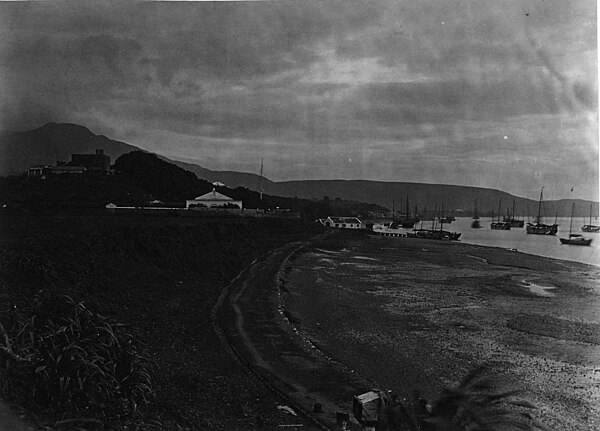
x=144, y=177
x=431, y=195
x=54, y=142
x=159, y=276
x=167, y=181
x=162, y=179
x=231, y=179
x=51, y=143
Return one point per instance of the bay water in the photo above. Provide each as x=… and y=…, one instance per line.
x=518, y=239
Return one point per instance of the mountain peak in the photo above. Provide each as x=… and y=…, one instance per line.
x=64, y=129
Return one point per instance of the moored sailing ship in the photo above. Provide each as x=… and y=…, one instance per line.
x=499, y=225
x=434, y=233
x=574, y=238
x=540, y=228
x=407, y=220
x=590, y=227
x=511, y=220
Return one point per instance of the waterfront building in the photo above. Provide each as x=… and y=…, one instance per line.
x=214, y=200
x=342, y=222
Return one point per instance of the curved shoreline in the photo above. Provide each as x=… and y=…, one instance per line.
x=258, y=332
x=375, y=345
x=263, y=325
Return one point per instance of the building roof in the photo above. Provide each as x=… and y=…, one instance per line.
x=367, y=397
x=350, y=220
x=213, y=196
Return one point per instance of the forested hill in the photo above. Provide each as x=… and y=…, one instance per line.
x=141, y=178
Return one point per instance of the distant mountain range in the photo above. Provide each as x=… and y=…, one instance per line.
x=57, y=141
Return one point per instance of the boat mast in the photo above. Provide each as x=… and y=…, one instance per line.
x=571, y=224
x=499, y=208
x=540, y=206
x=513, y=209
x=261, y=178
x=400, y=208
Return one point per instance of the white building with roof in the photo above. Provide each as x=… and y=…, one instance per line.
x=342, y=222
x=214, y=200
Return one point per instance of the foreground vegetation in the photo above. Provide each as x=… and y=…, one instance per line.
x=104, y=319
x=74, y=366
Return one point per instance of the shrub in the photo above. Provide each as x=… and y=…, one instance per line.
x=478, y=403
x=74, y=366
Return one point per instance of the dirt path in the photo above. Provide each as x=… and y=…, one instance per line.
x=263, y=339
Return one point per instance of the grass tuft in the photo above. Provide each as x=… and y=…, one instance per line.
x=79, y=369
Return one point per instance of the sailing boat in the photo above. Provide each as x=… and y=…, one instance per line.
x=541, y=228
x=393, y=224
x=407, y=221
x=444, y=234
x=475, y=224
x=590, y=227
x=434, y=233
x=444, y=218
x=574, y=238
x=512, y=220
x=499, y=225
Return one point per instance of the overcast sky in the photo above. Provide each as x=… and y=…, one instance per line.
x=499, y=94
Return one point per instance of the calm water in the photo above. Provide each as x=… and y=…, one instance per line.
x=516, y=238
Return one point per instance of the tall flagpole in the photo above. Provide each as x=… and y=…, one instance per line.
x=261, y=178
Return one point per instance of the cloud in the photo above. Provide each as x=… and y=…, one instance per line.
x=315, y=83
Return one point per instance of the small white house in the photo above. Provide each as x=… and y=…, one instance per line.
x=342, y=222
x=213, y=200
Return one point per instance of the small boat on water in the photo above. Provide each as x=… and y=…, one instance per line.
x=434, y=234
x=575, y=238
x=540, y=228
x=590, y=227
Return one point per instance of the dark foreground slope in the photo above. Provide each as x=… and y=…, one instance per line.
x=161, y=278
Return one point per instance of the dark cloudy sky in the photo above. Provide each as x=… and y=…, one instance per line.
x=498, y=94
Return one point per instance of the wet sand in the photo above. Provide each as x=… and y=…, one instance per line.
x=416, y=314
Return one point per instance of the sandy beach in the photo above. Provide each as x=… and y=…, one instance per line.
x=412, y=314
